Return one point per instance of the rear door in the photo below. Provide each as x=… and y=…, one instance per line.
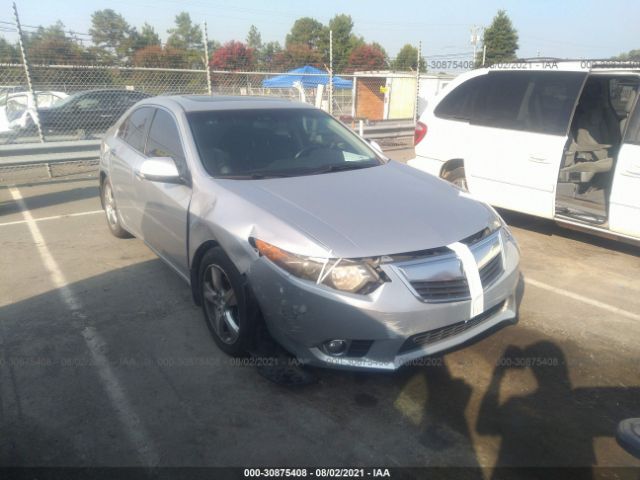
x=516, y=137
x=126, y=153
x=624, y=204
x=164, y=206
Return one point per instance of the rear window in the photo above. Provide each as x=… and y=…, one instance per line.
x=539, y=102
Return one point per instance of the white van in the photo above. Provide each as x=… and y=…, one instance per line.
x=559, y=140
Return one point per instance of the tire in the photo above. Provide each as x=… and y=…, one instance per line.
x=229, y=310
x=457, y=177
x=111, y=212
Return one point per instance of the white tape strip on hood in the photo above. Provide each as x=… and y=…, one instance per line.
x=472, y=273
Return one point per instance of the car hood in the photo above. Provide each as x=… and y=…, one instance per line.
x=369, y=212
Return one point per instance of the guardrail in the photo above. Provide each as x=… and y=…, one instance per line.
x=386, y=129
x=46, y=153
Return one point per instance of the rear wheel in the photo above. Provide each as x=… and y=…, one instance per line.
x=457, y=177
x=230, y=312
x=111, y=212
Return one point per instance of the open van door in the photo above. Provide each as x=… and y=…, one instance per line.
x=624, y=203
x=517, y=134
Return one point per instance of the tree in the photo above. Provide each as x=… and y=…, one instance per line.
x=186, y=35
x=51, y=46
x=367, y=57
x=631, y=55
x=344, y=41
x=297, y=55
x=307, y=31
x=501, y=40
x=232, y=56
x=155, y=56
x=269, y=53
x=407, y=59
x=8, y=52
x=111, y=34
x=148, y=36
x=254, y=39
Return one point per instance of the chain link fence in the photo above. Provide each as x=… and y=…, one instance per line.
x=60, y=90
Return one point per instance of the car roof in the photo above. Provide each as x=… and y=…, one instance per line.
x=199, y=103
x=551, y=64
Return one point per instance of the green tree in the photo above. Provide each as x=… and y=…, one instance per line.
x=111, y=34
x=185, y=35
x=8, y=52
x=344, y=40
x=51, y=46
x=254, y=39
x=501, y=40
x=631, y=55
x=407, y=59
x=148, y=36
x=307, y=31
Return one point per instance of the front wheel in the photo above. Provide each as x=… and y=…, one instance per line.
x=457, y=177
x=229, y=310
x=111, y=212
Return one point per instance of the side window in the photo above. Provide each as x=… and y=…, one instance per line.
x=44, y=99
x=133, y=130
x=457, y=103
x=164, y=140
x=539, y=102
x=633, y=129
x=15, y=106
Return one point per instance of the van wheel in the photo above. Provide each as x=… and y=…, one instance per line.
x=229, y=310
x=111, y=212
x=457, y=177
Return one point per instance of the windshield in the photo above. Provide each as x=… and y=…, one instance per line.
x=273, y=143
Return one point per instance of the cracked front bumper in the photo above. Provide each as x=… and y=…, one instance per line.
x=302, y=315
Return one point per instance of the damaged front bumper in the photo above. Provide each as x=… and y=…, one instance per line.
x=384, y=329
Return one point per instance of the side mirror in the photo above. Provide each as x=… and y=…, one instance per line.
x=159, y=169
x=376, y=146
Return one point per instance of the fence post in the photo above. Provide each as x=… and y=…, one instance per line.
x=27, y=73
x=331, y=72
x=207, y=67
x=415, y=107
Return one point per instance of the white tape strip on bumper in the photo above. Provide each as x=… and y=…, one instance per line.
x=472, y=273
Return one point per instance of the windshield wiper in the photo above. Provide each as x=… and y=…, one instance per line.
x=254, y=176
x=341, y=167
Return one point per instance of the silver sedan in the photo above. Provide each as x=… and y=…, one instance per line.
x=278, y=215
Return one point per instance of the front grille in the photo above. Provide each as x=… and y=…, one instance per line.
x=457, y=290
x=432, y=336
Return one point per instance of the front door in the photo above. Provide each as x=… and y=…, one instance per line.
x=517, y=133
x=624, y=204
x=164, y=206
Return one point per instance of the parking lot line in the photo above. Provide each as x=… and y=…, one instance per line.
x=131, y=422
x=583, y=299
x=54, y=217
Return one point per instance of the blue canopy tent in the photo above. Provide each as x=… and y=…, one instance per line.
x=308, y=76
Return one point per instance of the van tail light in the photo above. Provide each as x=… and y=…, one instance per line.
x=421, y=131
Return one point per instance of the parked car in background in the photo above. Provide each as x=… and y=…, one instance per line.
x=556, y=140
x=274, y=211
x=92, y=111
x=17, y=110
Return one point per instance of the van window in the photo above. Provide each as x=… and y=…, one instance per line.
x=539, y=102
x=456, y=105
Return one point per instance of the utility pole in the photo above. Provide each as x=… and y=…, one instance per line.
x=206, y=58
x=415, y=108
x=475, y=39
x=331, y=72
x=27, y=73
x=484, y=54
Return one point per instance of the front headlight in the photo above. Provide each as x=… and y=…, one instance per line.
x=346, y=275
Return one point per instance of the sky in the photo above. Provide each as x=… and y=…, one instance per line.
x=565, y=29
